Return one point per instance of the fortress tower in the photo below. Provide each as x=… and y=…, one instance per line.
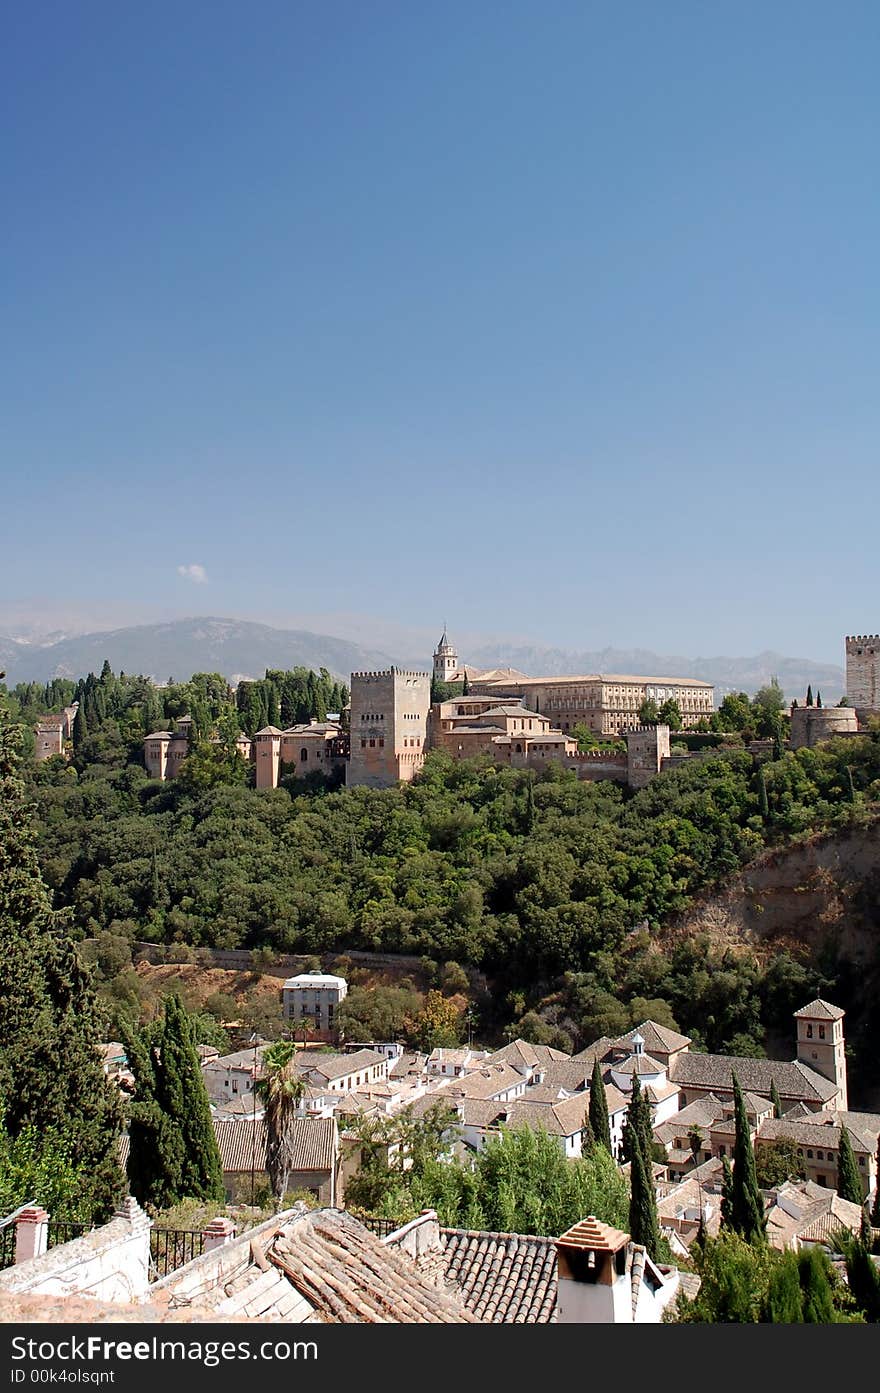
x=389, y=726
x=445, y=660
x=862, y=659
x=820, y=1043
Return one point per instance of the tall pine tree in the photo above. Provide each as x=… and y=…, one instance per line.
x=80, y=728
x=51, y=1075
x=644, y=1225
x=747, y=1206
x=638, y=1127
x=775, y=1099
x=173, y=1150
x=599, y=1109
x=785, y=1303
x=849, y=1185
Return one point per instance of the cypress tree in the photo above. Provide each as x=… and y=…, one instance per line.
x=747, y=1216
x=465, y=686
x=51, y=1076
x=638, y=1127
x=184, y=1089
x=599, y=1109
x=814, y=1273
x=588, y=1136
x=152, y=1176
x=818, y=699
x=809, y=695
x=726, y=1194
x=849, y=785
x=763, y=802
x=849, y=1185
x=631, y=1126
x=863, y=1279
x=775, y=1099
x=785, y=1302
x=644, y=1225
x=173, y=1150
x=80, y=729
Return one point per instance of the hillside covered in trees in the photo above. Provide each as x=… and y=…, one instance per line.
x=561, y=892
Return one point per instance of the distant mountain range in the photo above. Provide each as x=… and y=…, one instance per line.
x=241, y=649
x=728, y=674
x=181, y=647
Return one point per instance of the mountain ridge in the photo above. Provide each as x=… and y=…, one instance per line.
x=245, y=648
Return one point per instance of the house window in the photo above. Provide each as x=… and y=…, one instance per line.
x=862, y=1162
x=820, y=1156
x=303, y=754
x=821, y=1032
x=809, y=1032
x=809, y=1155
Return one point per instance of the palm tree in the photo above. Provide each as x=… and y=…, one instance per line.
x=281, y=1089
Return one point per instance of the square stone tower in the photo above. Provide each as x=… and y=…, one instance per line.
x=862, y=660
x=389, y=726
x=820, y=1043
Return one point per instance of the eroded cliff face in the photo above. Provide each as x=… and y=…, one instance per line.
x=820, y=901
x=819, y=896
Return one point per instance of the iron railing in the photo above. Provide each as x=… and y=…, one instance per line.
x=378, y=1225
x=7, y=1246
x=171, y=1248
x=63, y=1230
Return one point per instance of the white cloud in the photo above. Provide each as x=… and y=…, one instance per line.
x=194, y=572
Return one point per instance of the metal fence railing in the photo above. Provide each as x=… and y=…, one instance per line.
x=63, y=1230
x=378, y=1225
x=7, y=1246
x=171, y=1248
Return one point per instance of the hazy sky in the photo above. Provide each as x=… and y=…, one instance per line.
x=552, y=319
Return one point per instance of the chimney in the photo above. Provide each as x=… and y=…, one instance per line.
x=593, y=1283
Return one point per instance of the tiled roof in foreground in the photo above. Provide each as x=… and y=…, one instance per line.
x=347, y=1275
x=507, y=1278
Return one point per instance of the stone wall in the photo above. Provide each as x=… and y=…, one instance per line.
x=112, y=1263
x=811, y=724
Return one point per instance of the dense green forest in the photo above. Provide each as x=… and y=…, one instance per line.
x=540, y=882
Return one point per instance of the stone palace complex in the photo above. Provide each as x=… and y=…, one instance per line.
x=526, y=722
x=391, y=723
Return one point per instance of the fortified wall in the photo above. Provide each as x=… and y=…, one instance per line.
x=812, y=724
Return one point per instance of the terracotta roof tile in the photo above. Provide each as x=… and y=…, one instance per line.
x=349, y=1276
x=507, y=1278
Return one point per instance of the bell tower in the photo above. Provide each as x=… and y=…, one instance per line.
x=820, y=1043
x=445, y=660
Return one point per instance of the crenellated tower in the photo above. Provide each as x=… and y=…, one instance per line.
x=862, y=659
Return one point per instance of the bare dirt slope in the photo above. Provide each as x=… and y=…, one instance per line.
x=823, y=890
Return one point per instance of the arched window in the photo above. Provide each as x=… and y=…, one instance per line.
x=303, y=754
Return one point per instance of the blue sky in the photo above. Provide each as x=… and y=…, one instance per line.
x=557, y=320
